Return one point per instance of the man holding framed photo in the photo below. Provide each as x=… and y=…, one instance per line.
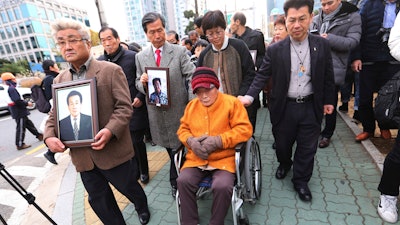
x=164, y=121
x=109, y=158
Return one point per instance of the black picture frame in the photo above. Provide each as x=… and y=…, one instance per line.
x=64, y=95
x=161, y=74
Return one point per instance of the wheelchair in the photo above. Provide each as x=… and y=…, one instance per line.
x=247, y=186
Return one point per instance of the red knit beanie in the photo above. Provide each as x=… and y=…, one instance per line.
x=204, y=77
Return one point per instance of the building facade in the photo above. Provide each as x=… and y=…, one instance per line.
x=25, y=28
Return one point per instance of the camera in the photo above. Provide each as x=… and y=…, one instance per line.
x=383, y=33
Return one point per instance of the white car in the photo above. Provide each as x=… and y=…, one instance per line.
x=5, y=99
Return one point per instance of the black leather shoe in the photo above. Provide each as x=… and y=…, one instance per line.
x=144, y=217
x=50, y=156
x=281, y=172
x=173, y=191
x=304, y=193
x=144, y=178
x=324, y=142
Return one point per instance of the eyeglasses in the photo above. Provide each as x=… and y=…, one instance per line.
x=72, y=42
x=217, y=34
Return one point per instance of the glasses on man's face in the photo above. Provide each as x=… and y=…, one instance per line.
x=71, y=42
x=214, y=34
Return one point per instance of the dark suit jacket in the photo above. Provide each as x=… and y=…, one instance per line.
x=114, y=113
x=85, y=128
x=277, y=64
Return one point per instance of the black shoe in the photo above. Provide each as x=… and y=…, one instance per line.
x=144, y=217
x=281, y=172
x=324, y=142
x=50, y=156
x=173, y=191
x=144, y=178
x=304, y=193
x=344, y=107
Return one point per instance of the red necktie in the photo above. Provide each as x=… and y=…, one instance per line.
x=158, y=58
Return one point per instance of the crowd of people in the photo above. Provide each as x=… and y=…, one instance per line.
x=211, y=98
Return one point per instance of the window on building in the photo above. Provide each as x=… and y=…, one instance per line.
x=29, y=27
x=2, y=50
x=22, y=29
x=42, y=13
x=11, y=15
x=33, y=42
x=46, y=28
x=4, y=17
x=31, y=58
x=14, y=47
x=50, y=14
x=8, y=49
x=39, y=56
x=15, y=30
x=27, y=44
x=28, y=10
x=20, y=46
x=9, y=32
x=3, y=34
x=66, y=15
x=17, y=13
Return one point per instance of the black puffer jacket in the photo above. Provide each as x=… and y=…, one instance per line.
x=372, y=49
x=126, y=60
x=18, y=105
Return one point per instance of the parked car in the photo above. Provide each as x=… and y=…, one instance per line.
x=5, y=99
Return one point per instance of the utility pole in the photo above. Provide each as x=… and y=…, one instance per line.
x=196, y=8
x=102, y=16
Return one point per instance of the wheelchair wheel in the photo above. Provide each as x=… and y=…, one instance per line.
x=252, y=171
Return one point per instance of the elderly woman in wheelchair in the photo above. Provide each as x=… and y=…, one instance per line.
x=212, y=125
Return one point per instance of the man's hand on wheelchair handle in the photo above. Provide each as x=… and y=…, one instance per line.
x=196, y=146
x=212, y=143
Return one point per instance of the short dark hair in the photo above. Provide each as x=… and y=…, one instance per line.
x=156, y=79
x=113, y=31
x=188, y=41
x=297, y=4
x=197, y=21
x=150, y=18
x=47, y=63
x=241, y=17
x=73, y=93
x=201, y=42
x=213, y=19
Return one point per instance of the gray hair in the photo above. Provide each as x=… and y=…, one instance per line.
x=151, y=17
x=66, y=23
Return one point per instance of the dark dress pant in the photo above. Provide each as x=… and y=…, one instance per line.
x=101, y=197
x=372, y=78
x=222, y=188
x=330, y=119
x=172, y=168
x=137, y=137
x=390, y=180
x=298, y=124
x=24, y=123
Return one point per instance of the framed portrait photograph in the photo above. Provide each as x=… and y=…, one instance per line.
x=75, y=112
x=158, y=93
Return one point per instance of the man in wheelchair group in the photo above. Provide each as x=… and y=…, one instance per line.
x=212, y=125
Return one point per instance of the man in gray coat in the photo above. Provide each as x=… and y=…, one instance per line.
x=165, y=121
x=340, y=23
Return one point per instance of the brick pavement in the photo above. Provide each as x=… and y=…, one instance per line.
x=344, y=186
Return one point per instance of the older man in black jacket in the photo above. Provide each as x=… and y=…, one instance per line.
x=302, y=74
x=115, y=53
